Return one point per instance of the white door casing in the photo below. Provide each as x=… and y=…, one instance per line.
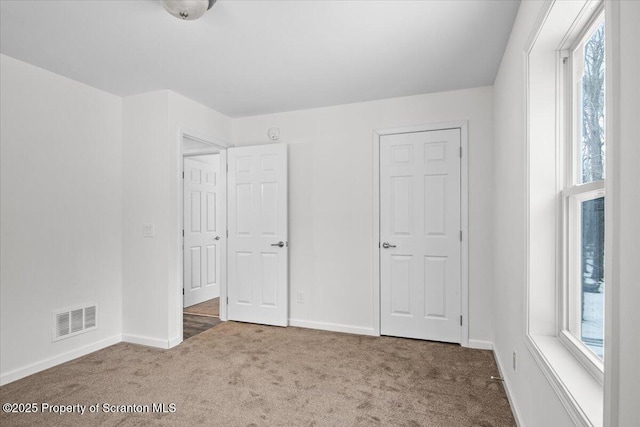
x=204, y=190
x=420, y=221
x=257, y=286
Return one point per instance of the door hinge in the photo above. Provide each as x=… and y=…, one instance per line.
x=182, y=233
x=461, y=235
x=227, y=300
x=227, y=234
x=460, y=152
x=182, y=174
x=182, y=291
x=460, y=320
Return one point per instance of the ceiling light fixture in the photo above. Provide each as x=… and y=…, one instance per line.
x=187, y=9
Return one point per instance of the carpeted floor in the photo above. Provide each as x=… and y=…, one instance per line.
x=249, y=375
x=208, y=308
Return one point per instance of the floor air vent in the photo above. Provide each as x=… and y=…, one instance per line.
x=68, y=323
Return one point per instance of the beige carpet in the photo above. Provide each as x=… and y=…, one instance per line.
x=248, y=375
x=208, y=308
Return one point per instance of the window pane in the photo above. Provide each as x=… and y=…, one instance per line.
x=592, y=315
x=591, y=109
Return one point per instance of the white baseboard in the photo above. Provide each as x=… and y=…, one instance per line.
x=507, y=389
x=481, y=345
x=148, y=341
x=334, y=327
x=16, y=374
x=175, y=341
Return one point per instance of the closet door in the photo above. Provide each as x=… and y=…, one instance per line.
x=420, y=253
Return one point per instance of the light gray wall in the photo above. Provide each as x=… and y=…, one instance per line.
x=61, y=214
x=331, y=201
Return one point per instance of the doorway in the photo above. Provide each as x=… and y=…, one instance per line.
x=204, y=225
x=421, y=254
x=239, y=213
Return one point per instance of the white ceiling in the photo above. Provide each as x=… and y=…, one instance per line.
x=254, y=57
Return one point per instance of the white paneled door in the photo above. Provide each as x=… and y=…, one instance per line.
x=204, y=227
x=420, y=248
x=258, y=247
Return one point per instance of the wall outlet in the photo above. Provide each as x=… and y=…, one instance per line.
x=301, y=297
x=514, y=360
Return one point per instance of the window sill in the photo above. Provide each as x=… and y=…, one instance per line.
x=579, y=392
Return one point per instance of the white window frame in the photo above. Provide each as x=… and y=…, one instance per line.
x=573, y=194
x=555, y=31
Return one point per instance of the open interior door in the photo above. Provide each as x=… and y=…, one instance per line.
x=204, y=219
x=257, y=286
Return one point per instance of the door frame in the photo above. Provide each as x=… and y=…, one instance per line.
x=464, y=217
x=214, y=144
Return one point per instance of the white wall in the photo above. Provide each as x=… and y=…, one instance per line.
x=534, y=400
x=331, y=201
x=145, y=159
x=152, y=300
x=61, y=214
x=622, y=397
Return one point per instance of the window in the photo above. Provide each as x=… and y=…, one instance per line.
x=566, y=152
x=583, y=195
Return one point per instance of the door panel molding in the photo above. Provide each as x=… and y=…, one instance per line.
x=433, y=153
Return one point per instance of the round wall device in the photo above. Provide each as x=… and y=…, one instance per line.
x=274, y=134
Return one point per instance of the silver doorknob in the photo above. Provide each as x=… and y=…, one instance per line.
x=280, y=244
x=388, y=245
x=216, y=238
